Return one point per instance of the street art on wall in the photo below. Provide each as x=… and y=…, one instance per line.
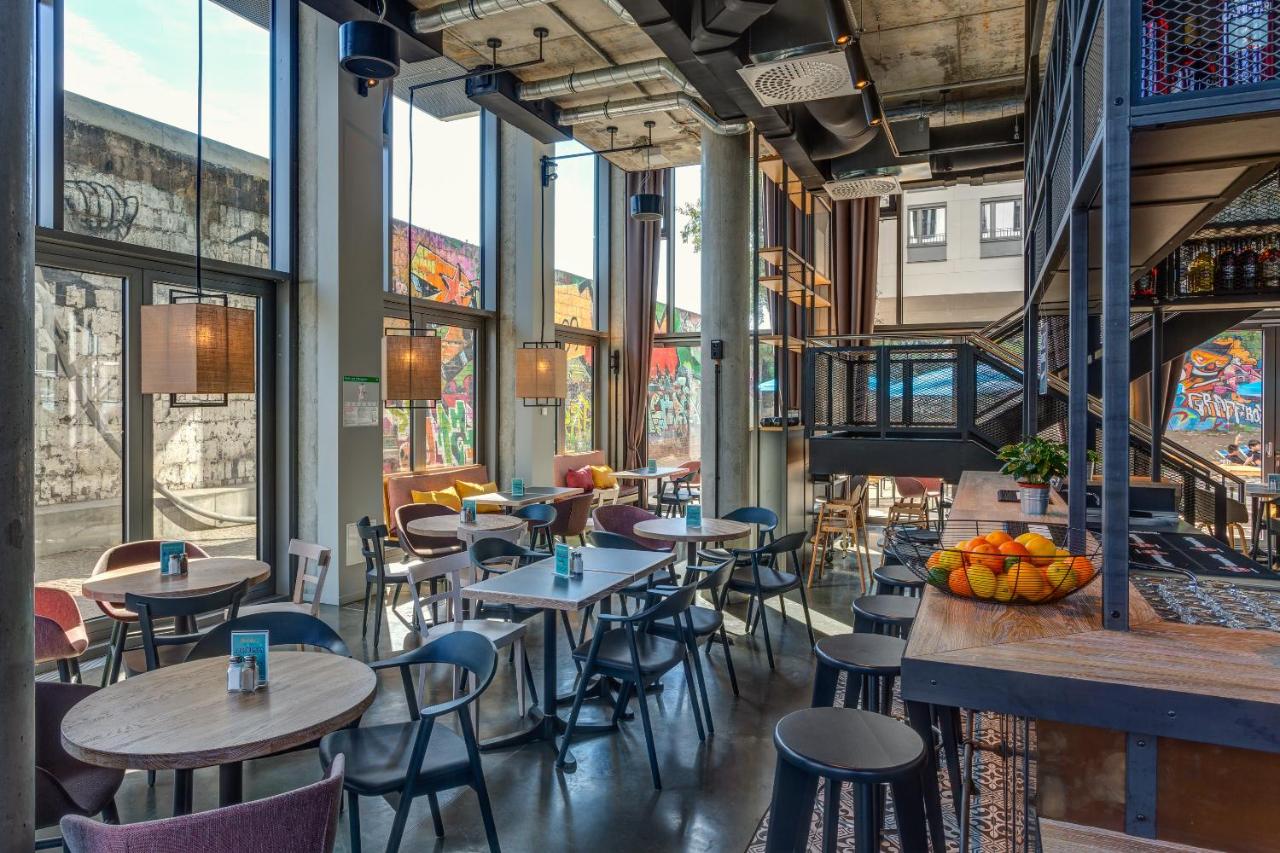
x=1220, y=389
x=444, y=269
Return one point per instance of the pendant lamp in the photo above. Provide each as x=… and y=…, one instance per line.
x=191, y=346
x=647, y=207
x=542, y=367
x=411, y=357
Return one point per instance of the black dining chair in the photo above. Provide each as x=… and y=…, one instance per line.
x=493, y=556
x=377, y=575
x=283, y=629
x=538, y=518
x=708, y=622
x=637, y=657
x=639, y=589
x=765, y=521
x=765, y=578
x=163, y=649
x=419, y=757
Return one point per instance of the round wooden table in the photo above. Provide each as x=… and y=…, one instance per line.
x=676, y=530
x=181, y=717
x=487, y=524
x=204, y=575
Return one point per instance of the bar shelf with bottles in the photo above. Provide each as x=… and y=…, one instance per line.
x=1203, y=45
x=1219, y=266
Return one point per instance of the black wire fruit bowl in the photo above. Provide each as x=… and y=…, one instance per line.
x=1004, y=562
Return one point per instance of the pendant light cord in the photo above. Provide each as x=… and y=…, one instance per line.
x=408, y=265
x=199, y=145
x=542, y=262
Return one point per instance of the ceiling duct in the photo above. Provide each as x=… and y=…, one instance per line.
x=461, y=11
x=497, y=94
x=796, y=79
x=645, y=71
x=863, y=187
x=643, y=106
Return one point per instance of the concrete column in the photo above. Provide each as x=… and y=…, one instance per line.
x=17, y=330
x=342, y=221
x=526, y=435
x=727, y=248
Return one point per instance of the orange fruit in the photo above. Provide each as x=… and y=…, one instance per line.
x=958, y=583
x=933, y=560
x=986, y=556
x=1083, y=569
x=998, y=537
x=1026, y=581
x=981, y=580
x=1014, y=549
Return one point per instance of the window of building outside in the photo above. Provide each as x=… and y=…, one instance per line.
x=927, y=226
x=675, y=392
x=1001, y=219
x=575, y=238
x=445, y=266
x=130, y=121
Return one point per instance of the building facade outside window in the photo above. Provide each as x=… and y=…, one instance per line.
x=927, y=233
x=1000, y=227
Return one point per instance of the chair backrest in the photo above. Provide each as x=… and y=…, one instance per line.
x=283, y=627
x=55, y=767
x=301, y=821
x=716, y=582
x=606, y=497
x=450, y=566
x=572, y=515
x=605, y=539
x=372, y=547
x=765, y=520
x=669, y=607
x=622, y=519
x=789, y=544
x=136, y=553
x=466, y=650
x=909, y=488
x=694, y=467
x=416, y=543
x=489, y=550
x=150, y=608
x=313, y=565
x=538, y=515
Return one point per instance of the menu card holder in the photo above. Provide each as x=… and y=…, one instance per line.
x=256, y=643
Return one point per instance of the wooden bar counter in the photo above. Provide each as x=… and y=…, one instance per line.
x=1164, y=731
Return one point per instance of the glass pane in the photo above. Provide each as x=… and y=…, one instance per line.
x=205, y=463
x=446, y=206
x=768, y=385
x=451, y=426
x=79, y=416
x=397, y=424
x=575, y=237
x=660, y=319
x=688, y=248
x=675, y=400
x=1217, y=410
x=129, y=136
x=579, y=405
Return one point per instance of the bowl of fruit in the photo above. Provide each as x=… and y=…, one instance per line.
x=999, y=561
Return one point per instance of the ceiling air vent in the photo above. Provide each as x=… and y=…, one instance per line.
x=874, y=185
x=797, y=79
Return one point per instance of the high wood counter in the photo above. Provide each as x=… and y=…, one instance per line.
x=1130, y=724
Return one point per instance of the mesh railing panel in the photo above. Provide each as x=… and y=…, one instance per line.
x=843, y=389
x=1202, y=45
x=1061, y=181
x=1092, y=78
x=922, y=389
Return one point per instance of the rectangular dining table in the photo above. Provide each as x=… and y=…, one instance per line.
x=605, y=572
x=508, y=500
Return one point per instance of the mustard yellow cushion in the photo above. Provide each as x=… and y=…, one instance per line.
x=603, y=477
x=470, y=490
x=444, y=497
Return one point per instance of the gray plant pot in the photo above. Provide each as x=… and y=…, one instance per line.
x=1035, y=499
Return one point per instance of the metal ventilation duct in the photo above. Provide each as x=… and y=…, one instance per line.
x=796, y=79
x=607, y=78
x=657, y=104
x=461, y=11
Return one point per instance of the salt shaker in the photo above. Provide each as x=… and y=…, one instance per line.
x=575, y=564
x=175, y=565
x=249, y=675
x=235, y=674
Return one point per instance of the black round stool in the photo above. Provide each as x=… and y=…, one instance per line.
x=870, y=662
x=845, y=745
x=897, y=580
x=884, y=614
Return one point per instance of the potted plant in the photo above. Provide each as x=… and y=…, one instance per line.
x=1033, y=463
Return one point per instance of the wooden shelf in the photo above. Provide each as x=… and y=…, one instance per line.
x=775, y=170
x=774, y=255
x=796, y=291
x=793, y=343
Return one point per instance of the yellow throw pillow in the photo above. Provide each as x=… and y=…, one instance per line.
x=443, y=497
x=470, y=490
x=603, y=477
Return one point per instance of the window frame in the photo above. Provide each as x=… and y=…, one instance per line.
x=597, y=342
x=986, y=203
x=918, y=243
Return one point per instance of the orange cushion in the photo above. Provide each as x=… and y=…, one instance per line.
x=602, y=476
x=442, y=497
x=470, y=490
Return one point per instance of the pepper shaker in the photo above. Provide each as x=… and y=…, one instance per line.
x=249, y=675
x=575, y=564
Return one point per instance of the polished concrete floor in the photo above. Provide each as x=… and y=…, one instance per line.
x=713, y=795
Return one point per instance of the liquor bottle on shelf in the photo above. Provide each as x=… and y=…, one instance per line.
x=1199, y=277
x=1226, y=269
x=1247, y=265
x=1155, y=50
x=1144, y=287
x=1270, y=265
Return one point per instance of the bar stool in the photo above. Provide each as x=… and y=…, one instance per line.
x=894, y=579
x=870, y=662
x=922, y=537
x=845, y=745
x=884, y=614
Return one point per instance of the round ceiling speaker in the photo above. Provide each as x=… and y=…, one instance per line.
x=369, y=49
x=647, y=207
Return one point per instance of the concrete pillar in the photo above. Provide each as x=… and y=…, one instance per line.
x=727, y=248
x=17, y=330
x=526, y=435
x=342, y=223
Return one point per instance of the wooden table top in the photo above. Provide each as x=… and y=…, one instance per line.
x=532, y=495
x=676, y=530
x=443, y=526
x=975, y=500
x=204, y=575
x=537, y=585
x=182, y=717
x=646, y=474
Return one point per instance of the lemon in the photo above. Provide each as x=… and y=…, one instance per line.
x=981, y=580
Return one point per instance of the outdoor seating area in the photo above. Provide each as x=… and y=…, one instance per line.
x=578, y=425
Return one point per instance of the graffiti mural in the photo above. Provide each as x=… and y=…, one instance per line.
x=1221, y=386
x=444, y=269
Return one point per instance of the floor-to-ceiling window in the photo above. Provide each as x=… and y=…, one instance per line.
x=436, y=184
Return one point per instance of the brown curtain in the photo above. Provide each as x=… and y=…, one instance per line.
x=637, y=336
x=855, y=227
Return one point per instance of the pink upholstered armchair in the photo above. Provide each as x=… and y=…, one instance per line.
x=301, y=821
x=60, y=633
x=622, y=519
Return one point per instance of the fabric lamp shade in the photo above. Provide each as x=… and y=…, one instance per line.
x=411, y=367
x=542, y=373
x=197, y=348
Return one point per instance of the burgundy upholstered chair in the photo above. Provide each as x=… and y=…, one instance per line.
x=67, y=785
x=60, y=633
x=571, y=517
x=301, y=821
x=120, y=557
x=623, y=518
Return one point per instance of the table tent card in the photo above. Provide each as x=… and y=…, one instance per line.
x=693, y=515
x=171, y=549
x=563, y=568
x=256, y=643
x=517, y=487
